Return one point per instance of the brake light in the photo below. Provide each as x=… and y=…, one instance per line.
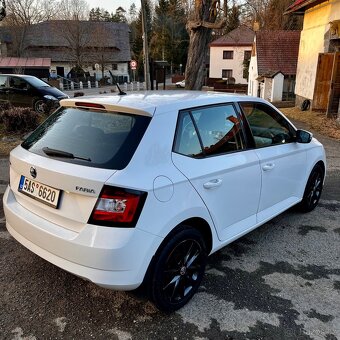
x=91, y=105
x=117, y=207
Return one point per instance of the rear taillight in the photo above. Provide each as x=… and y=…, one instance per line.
x=117, y=207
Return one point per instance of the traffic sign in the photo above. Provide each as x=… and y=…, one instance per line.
x=133, y=64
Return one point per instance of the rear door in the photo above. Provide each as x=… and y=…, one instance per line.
x=282, y=160
x=210, y=150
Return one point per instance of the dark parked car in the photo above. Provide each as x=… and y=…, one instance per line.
x=24, y=90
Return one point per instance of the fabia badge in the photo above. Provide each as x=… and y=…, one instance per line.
x=33, y=172
x=87, y=190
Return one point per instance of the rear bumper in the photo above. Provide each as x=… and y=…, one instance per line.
x=115, y=258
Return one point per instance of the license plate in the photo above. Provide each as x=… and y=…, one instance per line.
x=40, y=192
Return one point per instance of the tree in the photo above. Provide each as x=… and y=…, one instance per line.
x=233, y=18
x=73, y=10
x=169, y=37
x=269, y=15
x=77, y=35
x=28, y=12
x=137, y=39
x=23, y=13
x=119, y=16
x=205, y=18
x=132, y=13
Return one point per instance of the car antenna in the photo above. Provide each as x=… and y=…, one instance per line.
x=121, y=93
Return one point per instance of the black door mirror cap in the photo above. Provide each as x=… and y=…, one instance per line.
x=303, y=136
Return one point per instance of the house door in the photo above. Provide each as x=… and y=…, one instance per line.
x=334, y=98
x=323, y=81
x=60, y=71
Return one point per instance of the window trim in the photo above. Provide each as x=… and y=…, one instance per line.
x=204, y=155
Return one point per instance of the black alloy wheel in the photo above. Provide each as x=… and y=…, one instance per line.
x=313, y=189
x=178, y=270
x=39, y=106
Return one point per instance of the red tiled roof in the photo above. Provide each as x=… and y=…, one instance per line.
x=9, y=62
x=240, y=36
x=300, y=4
x=277, y=51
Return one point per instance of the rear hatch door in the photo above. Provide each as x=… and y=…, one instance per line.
x=59, y=170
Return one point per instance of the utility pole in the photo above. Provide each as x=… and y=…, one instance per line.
x=145, y=47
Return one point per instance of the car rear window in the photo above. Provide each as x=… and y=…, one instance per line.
x=92, y=138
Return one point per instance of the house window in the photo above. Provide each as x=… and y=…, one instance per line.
x=115, y=67
x=228, y=54
x=247, y=55
x=227, y=73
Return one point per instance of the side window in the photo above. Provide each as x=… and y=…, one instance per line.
x=187, y=142
x=17, y=83
x=3, y=80
x=209, y=131
x=267, y=126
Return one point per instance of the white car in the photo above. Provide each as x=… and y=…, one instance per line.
x=125, y=190
x=181, y=83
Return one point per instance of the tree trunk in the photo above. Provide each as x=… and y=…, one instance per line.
x=206, y=13
x=197, y=54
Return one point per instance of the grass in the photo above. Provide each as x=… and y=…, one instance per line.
x=10, y=142
x=316, y=121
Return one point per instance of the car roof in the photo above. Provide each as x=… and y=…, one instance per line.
x=147, y=103
x=18, y=75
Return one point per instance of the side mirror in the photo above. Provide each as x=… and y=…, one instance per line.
x=303, y=136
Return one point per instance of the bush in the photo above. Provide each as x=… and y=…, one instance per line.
x=4, y=106
x=18, y=119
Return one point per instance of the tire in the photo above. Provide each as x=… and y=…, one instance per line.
x=178, y=270
x=39, y=106
x=313, y=189
x=305, y=105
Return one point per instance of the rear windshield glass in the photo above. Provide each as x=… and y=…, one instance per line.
x=92, y=138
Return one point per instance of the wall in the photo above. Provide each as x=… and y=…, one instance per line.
x=122, y=69
x=315, y=26
x=217, y=63
x=277, y=88
x=267, y=89
x=253, y=84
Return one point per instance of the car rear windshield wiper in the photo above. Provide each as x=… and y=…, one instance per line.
x=65, y=154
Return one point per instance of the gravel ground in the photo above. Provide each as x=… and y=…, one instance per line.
x=281, y=281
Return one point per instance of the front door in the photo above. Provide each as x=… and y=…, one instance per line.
x=211, y=152
x=282, y=160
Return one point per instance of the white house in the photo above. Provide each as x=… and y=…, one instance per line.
x=229, y=55
x=272, y=68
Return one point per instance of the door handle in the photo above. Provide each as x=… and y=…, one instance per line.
x=212, y=184
x=268, y=167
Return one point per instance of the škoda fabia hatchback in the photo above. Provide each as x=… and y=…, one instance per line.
x=125, y=190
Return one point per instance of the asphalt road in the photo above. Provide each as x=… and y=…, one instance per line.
x=281, y=281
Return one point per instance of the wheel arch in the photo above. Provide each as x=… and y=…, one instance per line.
x=323, y=166
x=320, y=163
x=197, y=223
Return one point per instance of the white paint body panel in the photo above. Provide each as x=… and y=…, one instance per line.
x=118, y=258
